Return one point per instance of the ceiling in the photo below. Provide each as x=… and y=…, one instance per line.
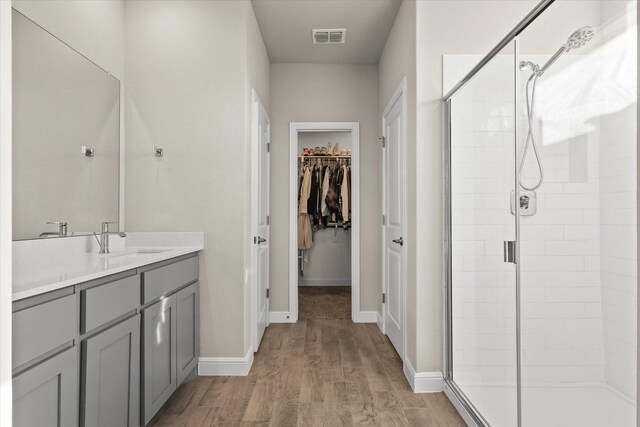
x=286, y=29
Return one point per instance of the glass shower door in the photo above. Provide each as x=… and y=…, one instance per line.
x=482, y=366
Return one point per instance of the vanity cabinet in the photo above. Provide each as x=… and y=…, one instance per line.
x=45, y=361
x=47, y=394
x=108, y=352
x=111, y=376
x=159, y=359
x=188, y=327
x=170, y=331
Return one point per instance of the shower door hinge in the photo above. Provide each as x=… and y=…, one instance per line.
x=510, y=251
x=267, y=219
x=267, y=293
x=268, y=147
x=384, y=298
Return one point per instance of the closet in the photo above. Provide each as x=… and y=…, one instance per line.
x=324, y=224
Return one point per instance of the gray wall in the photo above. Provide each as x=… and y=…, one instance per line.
x=444, y=27
x=189, y=80
x=322, y=93
x=398, y=61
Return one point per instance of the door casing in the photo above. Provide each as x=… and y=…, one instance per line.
x=294, y=128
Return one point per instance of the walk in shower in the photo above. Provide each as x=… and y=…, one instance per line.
x=540, y=231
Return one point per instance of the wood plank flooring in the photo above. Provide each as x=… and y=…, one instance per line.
x=317, y=372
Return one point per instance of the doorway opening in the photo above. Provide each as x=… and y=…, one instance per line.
x=324, y=276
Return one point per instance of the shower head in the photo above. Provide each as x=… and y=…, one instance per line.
x=526, y=65
x=579, y=38
x=576, y=40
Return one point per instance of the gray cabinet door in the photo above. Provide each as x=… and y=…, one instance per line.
x=159, y=354
x=188, y=307
x=47, y=394
x=111, y=376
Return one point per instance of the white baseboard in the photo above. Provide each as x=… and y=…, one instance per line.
x=380, y=323
x=323, y=282
x=423, y=382
x=366, y=317
x=281, y=317
x=226, y=366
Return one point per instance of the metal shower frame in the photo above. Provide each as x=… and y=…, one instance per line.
x=453, y=392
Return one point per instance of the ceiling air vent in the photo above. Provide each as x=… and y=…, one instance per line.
x=333, y=36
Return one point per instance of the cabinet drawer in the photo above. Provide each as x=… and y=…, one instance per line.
x=165, y=279
x=107, y=302
x=41, y=328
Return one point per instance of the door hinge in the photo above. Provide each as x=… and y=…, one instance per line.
x=384, y=298
x=267, y=292
x=383, y=219
x=384, y=142
x=268, y=147
x=510, y=251
x=267, y=219
x=255, y=239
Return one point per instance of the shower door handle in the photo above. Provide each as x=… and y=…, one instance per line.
x=510, y=251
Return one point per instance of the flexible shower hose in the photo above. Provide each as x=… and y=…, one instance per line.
x=530, y=141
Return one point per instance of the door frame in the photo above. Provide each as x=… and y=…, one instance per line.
x=294, y=129
x=400, y=94
x=256, y=107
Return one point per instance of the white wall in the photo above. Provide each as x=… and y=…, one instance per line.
x=328, y=261
x=618, y=189
x=323, y=93
x=189, y=80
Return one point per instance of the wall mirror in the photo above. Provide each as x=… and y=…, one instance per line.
x=66, y=137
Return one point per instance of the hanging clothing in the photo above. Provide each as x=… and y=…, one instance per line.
x=339, y=182
x=325, y=189
x=333, y=197
x=304, y=222
x=349, y=186
x=344, y=194
x=312, y=206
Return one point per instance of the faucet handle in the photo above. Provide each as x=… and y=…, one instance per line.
x=57, y=222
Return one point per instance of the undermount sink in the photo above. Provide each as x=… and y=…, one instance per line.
x=149, y=251
x=134, y=252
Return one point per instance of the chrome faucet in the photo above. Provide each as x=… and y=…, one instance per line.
x=104, y=237
x=62, y=229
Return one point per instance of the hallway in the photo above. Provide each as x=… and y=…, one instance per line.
x=312, y=373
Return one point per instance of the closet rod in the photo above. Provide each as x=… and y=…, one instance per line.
x=324, y=157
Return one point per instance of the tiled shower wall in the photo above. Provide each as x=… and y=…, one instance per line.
x=577, y=251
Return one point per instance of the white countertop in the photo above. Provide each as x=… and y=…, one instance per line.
x=45, y=265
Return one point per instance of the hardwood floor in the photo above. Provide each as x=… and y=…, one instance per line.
x=317, y=372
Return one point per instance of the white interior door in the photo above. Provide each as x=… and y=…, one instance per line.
x=260, y=171
x=394, y=211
